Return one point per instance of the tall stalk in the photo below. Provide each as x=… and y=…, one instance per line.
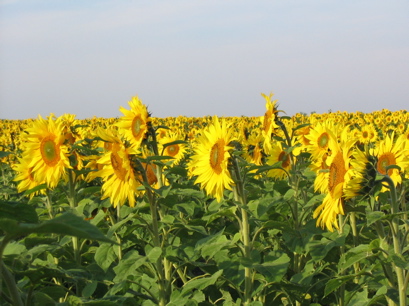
x=161, y=266
x=240, y=197
x=352, y=222
x=72, y=199
x=400, y=274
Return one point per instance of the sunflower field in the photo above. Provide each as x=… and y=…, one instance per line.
x=269, y=210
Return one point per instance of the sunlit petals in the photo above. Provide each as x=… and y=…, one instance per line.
x=210, y=160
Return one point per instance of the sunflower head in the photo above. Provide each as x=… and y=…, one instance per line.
x=173, y=146
x=133, y=126
x=211, y=157
x=44, y=143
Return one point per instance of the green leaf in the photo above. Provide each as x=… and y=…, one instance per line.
x=226, y=212
x=154, y=254
x=334, y=284
x=35, y=189
x=14, y=248
x=105, y=256
x=201, y=283
x=399, y=261
x=274, y=268
x=90, y=190
x=20, y=212
x=174, y=143
x=359, y=298
x=128, y=265
x=89, y=289
x=354, y=255
x=65, y=224
x=373, y=216
x=4, y=154
x=41, y=298
x=177, y=298
x=214, y=246
x=119, y=224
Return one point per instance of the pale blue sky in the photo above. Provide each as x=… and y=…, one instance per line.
x=197, y=58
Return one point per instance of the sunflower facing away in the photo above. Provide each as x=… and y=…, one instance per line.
x=338, y=177
x=363, y=167
x=269, y=119
x=44, y=147
x=134, y=124
x=210, y=159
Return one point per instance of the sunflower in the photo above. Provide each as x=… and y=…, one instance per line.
x=210, y=159
x=108, y=141
x=363, y=168
x=338, y=177
x=134, y=125
x=269, y=119
x=319, y=138
x=277, y=154
x=171, y=145
x=25, y=176
x=389, y=152
x=253, y=149
x=44, y=145
x=320, y=167
x=119, y=182
x=367, y=134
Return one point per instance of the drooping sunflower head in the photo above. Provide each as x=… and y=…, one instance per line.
x=134, y=124
x=270, y=116
x=209, y=161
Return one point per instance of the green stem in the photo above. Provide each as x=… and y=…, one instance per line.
x=341, y=300
x=118, y=239
x=48, y=202
x=352, y=221
x=156, y=240
x=72, y=199
x=396, y=240
x=160, y=264
x=239, y=194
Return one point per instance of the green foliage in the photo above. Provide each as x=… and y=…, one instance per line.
x=181, y=247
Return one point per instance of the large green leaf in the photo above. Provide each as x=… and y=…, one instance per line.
x=335, y=283
x=129, y=265
x=105, y=256
x=274, y=267
x=201, y=283
x=20, y=212
x=65, y=224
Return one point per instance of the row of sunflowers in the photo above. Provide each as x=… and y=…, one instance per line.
x=345, y=173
